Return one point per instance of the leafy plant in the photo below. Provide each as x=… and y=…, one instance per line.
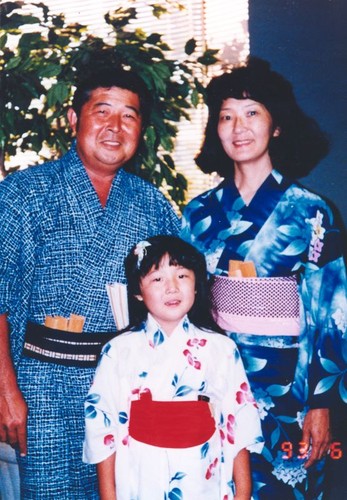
x=41, y=57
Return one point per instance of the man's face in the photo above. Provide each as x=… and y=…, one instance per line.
x=108, y=130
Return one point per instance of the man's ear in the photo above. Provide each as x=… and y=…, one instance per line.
x=138, y=297
x=72, y=119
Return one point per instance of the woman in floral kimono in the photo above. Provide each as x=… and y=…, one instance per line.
x=170, y=414
x=288, y=320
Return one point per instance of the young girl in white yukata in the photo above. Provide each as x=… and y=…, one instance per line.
x=170, y=414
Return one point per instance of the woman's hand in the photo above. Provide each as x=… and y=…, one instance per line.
x=316, y=432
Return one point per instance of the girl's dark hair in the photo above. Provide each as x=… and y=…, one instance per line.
x=112, y=77
x=301, y=143
x=180, y=254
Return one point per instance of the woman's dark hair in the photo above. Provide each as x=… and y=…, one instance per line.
x=180, y=254
x=113, y=77
x=301, y=143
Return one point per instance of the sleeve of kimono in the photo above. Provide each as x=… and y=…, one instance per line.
x=10, y=242
x=241, y=422
x=101, y=410
x=171, y=222
x=324, y=298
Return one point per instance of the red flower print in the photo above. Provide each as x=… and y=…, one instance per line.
x=197, y=342
x=222, y=435
x=231, y=429
x=109, y=441
x=245, y=395
x=244, y=386
x=211, y=467
x=192, y=359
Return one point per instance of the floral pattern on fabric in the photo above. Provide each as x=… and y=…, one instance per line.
x=180, y=368
x=285, y=230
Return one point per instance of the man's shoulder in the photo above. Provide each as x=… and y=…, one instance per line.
x=36, y=174
x=137, y=181
x=142, y=188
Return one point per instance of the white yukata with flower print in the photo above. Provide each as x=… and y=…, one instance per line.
x=180, y=367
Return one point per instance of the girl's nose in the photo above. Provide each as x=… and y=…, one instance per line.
x=171, y=285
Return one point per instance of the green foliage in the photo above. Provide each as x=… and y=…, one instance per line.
x=40, y=65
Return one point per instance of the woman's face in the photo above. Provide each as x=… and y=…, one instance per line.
x=245, y=128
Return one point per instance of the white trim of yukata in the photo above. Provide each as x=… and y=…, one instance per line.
x=59, y=355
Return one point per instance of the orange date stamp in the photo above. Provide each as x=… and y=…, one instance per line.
x=335, y=452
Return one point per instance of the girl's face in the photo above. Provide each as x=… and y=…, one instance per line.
x=245, y=128
x=168, y=293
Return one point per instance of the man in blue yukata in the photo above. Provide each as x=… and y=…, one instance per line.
x=65, y=228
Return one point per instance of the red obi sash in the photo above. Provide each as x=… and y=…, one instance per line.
x=170, y=424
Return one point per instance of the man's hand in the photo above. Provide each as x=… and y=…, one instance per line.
x=13, y=420
x=13, y=408
x=316, y=432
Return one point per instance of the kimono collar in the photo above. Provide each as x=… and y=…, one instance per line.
x=156, y=336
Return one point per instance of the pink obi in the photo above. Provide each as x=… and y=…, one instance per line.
x=258, y=306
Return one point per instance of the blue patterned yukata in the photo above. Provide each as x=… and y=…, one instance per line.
x=181, y=367
x=286, y=231
x=58, y=249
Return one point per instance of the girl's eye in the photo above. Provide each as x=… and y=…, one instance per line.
x=225, y=117
x=252, y=113
x=183, y=276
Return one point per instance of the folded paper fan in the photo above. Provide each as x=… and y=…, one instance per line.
x=118, y=297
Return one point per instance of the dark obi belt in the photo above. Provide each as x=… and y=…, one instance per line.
x=65, y=348
x=171, y=424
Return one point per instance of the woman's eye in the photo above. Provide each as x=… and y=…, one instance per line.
x=225, y=118
x=252, y=113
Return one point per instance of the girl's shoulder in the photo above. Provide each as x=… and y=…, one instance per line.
x=217, y=339
x=123, y=340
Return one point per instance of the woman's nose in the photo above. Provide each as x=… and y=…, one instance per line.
x=239, y=123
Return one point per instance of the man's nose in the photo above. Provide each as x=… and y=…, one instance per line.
x=114, y=122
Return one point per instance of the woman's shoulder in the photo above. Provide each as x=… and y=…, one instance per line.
x=305, y=200
x=203, y=201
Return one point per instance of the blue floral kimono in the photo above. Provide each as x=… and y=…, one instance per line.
x=285, y=230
